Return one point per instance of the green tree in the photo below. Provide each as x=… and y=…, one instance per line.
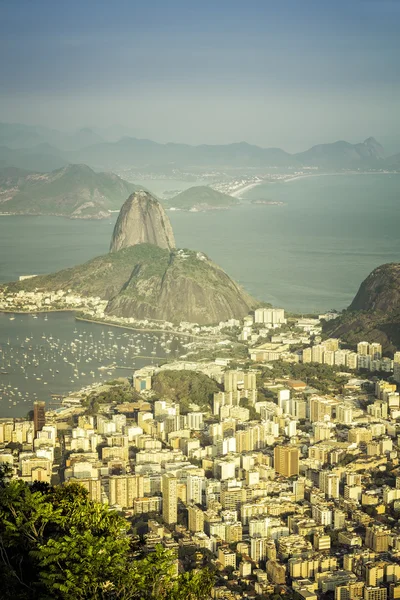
x=57, y=544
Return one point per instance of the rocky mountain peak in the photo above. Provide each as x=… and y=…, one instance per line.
x=142, y=220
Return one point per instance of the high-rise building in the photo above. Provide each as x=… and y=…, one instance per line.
x=39, y=415
x=258, y=548
x=231, y=379
x=93, y=486
x=307, y=355
x=329, y=483
x=250, y=382
x=196, y=519
x=123, y=489
x=286, y=460
x=170, y=498
x=300, y=409
x=344, y=414
x=375, y=351
x=194, y=486
x=339, y=519
x=195, y=421
x=332, y=344
x=270, y=316
x=320, y=409
x=375, y=593
x=377, y=538
x=317, y=353
x=363, y=348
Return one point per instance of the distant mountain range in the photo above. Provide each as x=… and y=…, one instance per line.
x=42, y=149
x=74, y=191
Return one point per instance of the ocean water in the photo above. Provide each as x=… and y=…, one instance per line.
x=311, y=254
x=54, y=354
x=307, y=255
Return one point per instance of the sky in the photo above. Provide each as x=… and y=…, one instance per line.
x=287, y=73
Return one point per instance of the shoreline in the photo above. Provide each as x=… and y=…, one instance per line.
x=307, y=175
x=147, y=330
x=69, y=217
x=109, y=324
x=238, y=193
x=289, y=178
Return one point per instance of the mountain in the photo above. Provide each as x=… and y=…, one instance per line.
x=19, y=136
x=374, y=314
x=148, y=282
x=90, y=146
x=201, y=197
x=42, y=158
x=144, y=153
x=74, y=191
x=343, y=155
x=142, y=219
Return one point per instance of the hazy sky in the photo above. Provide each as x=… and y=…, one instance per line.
x=275, y=73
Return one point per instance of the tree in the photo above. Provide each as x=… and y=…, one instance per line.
x=55, y=543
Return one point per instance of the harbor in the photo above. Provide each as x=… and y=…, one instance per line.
x=48, y=356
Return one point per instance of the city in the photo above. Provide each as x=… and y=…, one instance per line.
x=281, y=485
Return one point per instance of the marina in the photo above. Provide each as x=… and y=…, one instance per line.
x=48, y=356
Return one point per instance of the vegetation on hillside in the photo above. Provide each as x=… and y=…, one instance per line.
x=148, y=282
x=73, y=191
x=201, y=196
x=324, y=378
x=370, y=326
x=56, y=544
x=185, y=388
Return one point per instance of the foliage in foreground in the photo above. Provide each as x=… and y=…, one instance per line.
x=55, y=543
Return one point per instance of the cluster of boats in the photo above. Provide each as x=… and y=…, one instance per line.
x=45, y=365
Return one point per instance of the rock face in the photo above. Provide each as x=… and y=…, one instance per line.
x=142, y=220
x=374, y=314
x=145, y=281
x=380, y=291
x=181, y=285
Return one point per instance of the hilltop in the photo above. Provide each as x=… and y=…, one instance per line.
x=74, y=191
x=201, y=197
x=148, y=282
x=374, y=314
x=142, y=219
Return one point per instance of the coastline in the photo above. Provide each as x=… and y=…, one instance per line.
x=307, y=175
x=238, y=193
x=109, y=323
x=170, y=331
x=70, y=217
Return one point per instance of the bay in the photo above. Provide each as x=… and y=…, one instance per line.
x=51, y=354
x=308, y=255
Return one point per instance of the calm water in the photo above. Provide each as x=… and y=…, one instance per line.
x=309, y=255
x=56, y=355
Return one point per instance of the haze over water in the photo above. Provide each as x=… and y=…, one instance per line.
x=309, y=255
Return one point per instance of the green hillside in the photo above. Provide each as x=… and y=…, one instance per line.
x=74, y=191
x=148, y=282
x=201, y=198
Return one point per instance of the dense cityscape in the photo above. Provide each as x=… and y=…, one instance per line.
x=199, y=300
x=281, y=485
